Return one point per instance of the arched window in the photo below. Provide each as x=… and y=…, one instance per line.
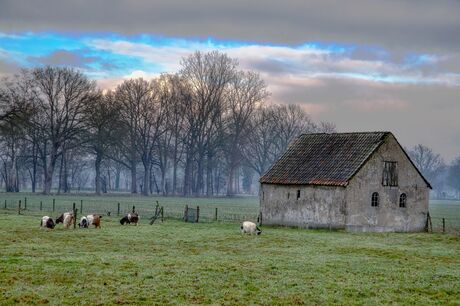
x=402, y=200
x=375, y=199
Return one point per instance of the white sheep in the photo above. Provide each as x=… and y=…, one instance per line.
x=249, y=227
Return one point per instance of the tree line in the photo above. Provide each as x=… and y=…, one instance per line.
x=443, y=177
x=205, y=130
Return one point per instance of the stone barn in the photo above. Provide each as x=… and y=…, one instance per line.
x=354, y=181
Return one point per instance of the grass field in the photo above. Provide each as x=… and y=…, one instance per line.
x=212, y=263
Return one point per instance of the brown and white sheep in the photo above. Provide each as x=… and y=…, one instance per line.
x=130, y=218
x=66, y=218
x=94, y=220
x=89, y=220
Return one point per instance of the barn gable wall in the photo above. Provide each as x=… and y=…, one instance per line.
x=388, y=216
x=317, y=207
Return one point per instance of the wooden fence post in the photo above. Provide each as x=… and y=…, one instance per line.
x=81, y=206
x=5, y=204
x=134, y=209
x=197, y=214
x=186, y=213
x=19, y=207
x=162, y=216
x=25, y=203
x=118, y=209
x=215, y=215
x=41, y=205
x=54, y=204
x=429, y=225
x=74, y=216
x=443, y=225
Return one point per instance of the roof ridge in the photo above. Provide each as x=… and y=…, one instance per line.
x=346, y=133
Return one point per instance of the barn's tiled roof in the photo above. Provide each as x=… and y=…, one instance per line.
x=324, y=159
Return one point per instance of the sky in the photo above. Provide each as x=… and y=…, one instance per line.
x=364, y=65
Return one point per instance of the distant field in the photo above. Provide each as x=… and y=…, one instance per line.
x=212, y=263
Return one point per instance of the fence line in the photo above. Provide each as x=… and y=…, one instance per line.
x=209, y=212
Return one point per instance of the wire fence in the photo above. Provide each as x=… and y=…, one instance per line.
x=445, y=225
x=209, y=211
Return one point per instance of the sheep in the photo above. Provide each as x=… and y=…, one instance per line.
x=83, y=222
x=130, y=218
x=66, y=218
x=249, y=227
x=47, y=222
x=89, y=220
x=94, y=220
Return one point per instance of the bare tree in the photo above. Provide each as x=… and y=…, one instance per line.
x=142, y=114
x=453, y=176
x=173, y=93
x=101, y=119
x=60, y=97
x=246, y=91
x=260, y=150
x=207, y=75
x=426, y=160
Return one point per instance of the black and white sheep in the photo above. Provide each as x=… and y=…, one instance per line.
x=130, y=218
x=83, y=222
x=47, y=222
x=249, y=227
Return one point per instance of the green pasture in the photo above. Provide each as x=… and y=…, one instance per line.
x=213, y=263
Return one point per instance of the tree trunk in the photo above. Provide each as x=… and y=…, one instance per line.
x=209, y=183
x=97, y=166
x=49, y=171
x=146, y=187
x=133, y=178
x=230, y=181
x=187, y=175
x=117, y=178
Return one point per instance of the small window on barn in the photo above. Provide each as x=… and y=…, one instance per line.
x=402, y=200
x=298, y=194
x=375, y=199
x=390, y=174
x=288, y=195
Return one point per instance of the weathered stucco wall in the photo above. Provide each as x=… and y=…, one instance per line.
x=388, y=216
x=317, y=207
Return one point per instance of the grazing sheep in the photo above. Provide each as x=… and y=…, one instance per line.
x=47, y=222
x=89, y=220
x=83, y=222
x=94, y=220
x=130, y=218
x=249, y=227
x=65, y=218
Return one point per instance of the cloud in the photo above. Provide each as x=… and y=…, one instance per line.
x=63, y=58
x=396, y=24
x=358, y=87
x=310, y=61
